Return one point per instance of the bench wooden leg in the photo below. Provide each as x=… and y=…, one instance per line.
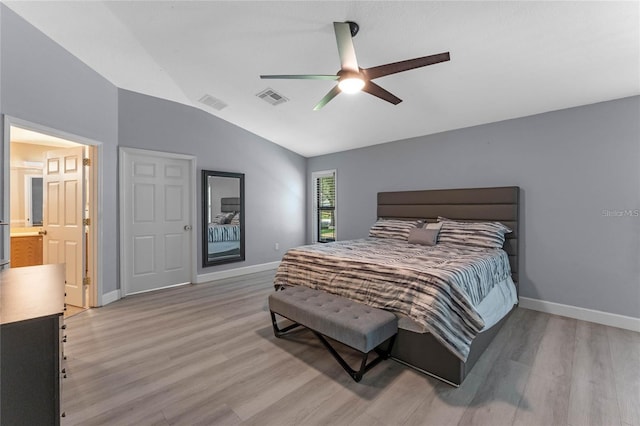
x=280, y=332
x=355, y=375
x=364, y=367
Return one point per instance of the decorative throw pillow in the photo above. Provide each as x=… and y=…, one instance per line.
x=393, y=228
x=478, y=234
x=235, y=220
x=435, y=226
x=423, y=236
x=222, y=218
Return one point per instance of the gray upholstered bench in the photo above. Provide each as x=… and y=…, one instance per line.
x=356, y=325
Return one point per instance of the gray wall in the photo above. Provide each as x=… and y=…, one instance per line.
x=3, y=215
x=44, y=84
x=274, y=176
x=571, y=165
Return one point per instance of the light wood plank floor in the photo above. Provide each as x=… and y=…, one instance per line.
x=206, y=355
x=72, y=310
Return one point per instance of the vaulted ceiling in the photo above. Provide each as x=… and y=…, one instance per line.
x=508, y=59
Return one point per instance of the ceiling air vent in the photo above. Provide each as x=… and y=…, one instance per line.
x=270, y=95
x=214, y=103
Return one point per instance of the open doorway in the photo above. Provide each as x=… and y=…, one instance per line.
x=53, y=197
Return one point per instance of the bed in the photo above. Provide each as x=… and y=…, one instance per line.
x=441, y=332
x=223, y=235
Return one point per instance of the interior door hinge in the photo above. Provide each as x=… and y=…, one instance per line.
x=86, y=162
x=86, y=281
x=86, y=222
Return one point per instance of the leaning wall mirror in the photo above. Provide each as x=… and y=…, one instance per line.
x=222, y=217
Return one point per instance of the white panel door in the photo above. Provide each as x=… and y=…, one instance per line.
x=63, y=214
x=156, y=209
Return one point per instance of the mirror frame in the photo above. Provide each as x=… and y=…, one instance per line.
x=205, y=225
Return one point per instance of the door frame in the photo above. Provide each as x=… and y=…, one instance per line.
x=95, y=174
x=123, y=152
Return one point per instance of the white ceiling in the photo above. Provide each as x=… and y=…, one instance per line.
x=508, y=59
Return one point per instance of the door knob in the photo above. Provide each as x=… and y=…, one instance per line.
x=187, y=227
x=42, y=232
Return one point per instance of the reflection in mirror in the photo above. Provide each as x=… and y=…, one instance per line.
x=222, y=217
x=26, y=196
x=33, y=202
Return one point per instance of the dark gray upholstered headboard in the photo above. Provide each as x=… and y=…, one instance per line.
x=469, y=204
x=230, y=204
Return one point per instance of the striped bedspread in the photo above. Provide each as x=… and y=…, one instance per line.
x=218, y=233
x=436, y=286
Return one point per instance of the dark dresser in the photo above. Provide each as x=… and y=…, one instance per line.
x=32, y=304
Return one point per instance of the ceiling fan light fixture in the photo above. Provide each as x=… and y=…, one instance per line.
x=351, y=84
x=351, y=78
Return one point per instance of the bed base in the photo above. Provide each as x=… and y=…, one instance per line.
x=422, y=352
x=502, y=204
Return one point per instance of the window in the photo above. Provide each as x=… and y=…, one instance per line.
x=324, y=206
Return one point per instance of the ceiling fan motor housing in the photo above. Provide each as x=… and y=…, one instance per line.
x=344, y=74
x=353, y=27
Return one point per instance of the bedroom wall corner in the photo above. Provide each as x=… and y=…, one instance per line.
x=274, y=176
x=577, y=168
x=43, y=83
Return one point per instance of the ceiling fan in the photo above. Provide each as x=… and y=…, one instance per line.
x=351, y=78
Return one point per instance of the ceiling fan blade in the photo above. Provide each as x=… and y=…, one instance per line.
x=396, y=67
x=346, y=50
x=373, y=89
x=332, y=94
x=301, y=77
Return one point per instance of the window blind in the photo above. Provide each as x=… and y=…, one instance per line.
x=325, y=187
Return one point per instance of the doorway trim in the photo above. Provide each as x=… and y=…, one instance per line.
x=96, y=230
x=122, y=153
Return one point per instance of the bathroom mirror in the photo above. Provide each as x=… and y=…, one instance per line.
x=222, y=217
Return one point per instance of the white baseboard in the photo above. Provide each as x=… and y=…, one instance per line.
x=591, y=315
x=151, y=290
x=110, y=297
x=213, y=276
